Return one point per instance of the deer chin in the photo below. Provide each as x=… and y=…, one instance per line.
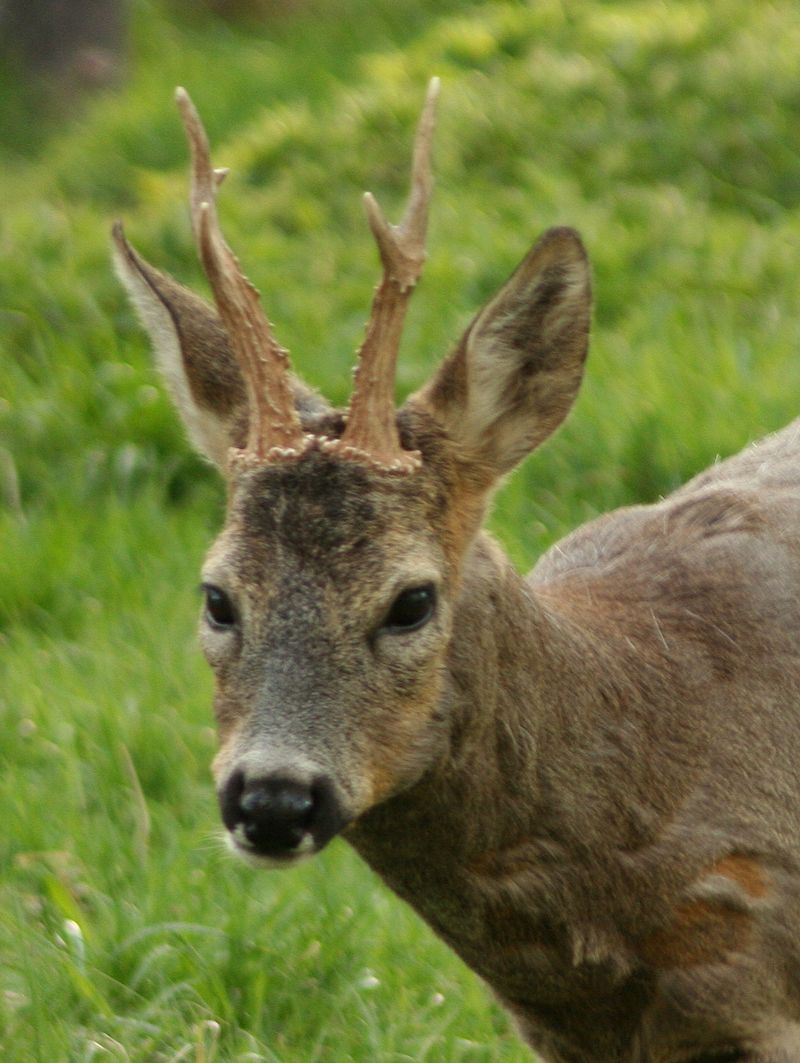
x=238, y=844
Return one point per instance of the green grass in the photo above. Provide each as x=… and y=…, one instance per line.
x=668, y=134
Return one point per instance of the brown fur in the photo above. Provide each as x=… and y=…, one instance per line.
x=586, y=781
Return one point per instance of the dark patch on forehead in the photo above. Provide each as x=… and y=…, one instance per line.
x=313, y=507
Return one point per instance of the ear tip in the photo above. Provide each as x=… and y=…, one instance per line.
x=566, y=239
x=560, y=246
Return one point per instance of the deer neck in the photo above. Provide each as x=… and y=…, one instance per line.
x=515, y=694
x=498, y=846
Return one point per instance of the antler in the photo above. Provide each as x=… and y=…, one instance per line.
x=371, y=430
x=274, y=429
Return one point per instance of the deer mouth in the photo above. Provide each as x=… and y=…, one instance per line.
x=239, y=844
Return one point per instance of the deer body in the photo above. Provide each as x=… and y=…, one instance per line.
x=587, y=781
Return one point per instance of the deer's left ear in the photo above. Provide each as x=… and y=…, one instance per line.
x=517, y=370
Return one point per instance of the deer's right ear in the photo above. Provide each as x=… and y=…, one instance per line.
x=514, y=376
x=192, y=351
x=195, y=357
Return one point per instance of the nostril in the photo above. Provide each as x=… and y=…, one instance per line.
x=230, y=800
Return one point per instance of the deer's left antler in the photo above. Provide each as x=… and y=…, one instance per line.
x=371, y=430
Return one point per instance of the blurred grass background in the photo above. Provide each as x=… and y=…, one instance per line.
x=668, y=133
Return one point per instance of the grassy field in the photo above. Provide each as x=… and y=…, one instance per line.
x=669, y=134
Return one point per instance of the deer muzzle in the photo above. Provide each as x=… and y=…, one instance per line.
x=278, y=819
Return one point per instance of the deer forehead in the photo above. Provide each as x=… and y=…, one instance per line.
x=319, y=521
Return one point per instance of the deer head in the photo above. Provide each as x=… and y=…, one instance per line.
x=332, y=592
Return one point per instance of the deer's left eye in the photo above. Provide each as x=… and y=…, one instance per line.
x=220, y=611
x=411, y=609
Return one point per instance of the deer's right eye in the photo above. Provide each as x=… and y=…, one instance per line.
x=220, y=612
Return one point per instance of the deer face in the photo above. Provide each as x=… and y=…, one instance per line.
x=331, y=592
x=327, y=618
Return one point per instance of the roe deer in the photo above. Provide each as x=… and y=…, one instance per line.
x=586, y=781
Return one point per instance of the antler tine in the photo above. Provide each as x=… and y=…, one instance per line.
x=371, y=429
x=274, y=429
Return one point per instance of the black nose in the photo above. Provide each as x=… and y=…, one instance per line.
x=275, y=815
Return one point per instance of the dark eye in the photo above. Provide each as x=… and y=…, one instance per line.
x=411, y=609
x=219, y=608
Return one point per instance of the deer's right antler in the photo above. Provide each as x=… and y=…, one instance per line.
x=274, y=430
